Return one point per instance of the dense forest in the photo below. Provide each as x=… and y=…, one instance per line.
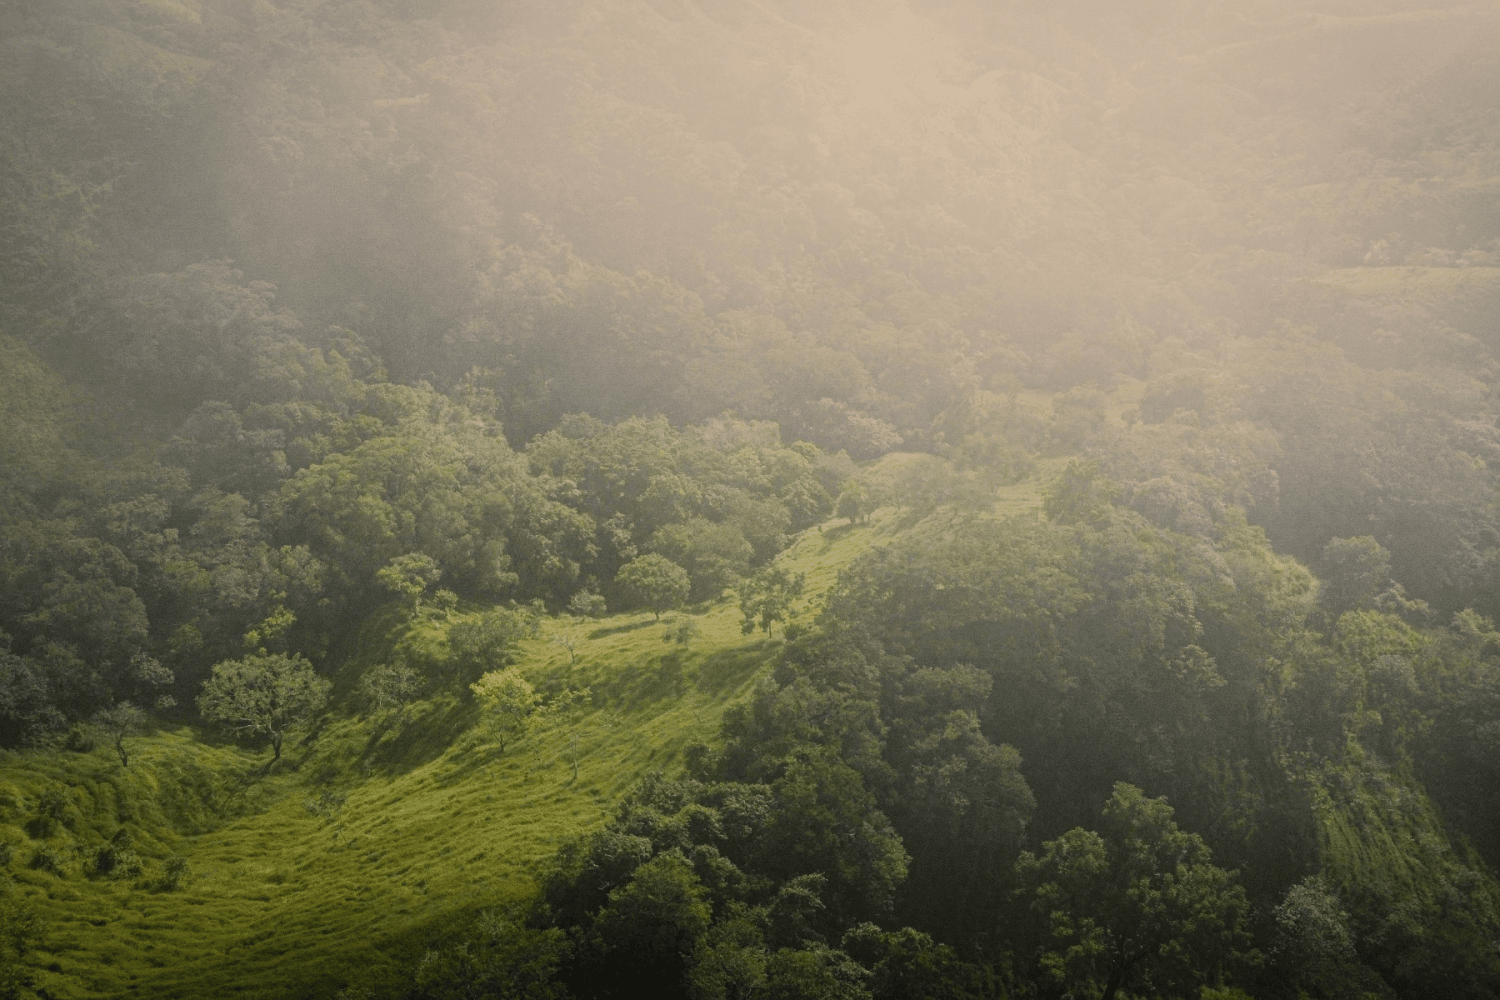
x=369, y=367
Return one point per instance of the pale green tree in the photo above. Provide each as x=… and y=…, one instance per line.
x=508, y=699
x=263, y=694
x=119, y=721
x=392, y=685
x=409, y=576
x=767, y=597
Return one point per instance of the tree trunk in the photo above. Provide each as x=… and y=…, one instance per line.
x=275, y=747
x=1116, y=979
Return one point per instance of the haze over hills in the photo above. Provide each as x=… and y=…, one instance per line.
x=1087, y=411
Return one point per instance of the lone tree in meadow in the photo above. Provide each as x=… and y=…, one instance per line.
x=118, y=722
x=1139, y=907
x=508, y=699
x=654, y=581
x=854, y=502
x=587, y=604
x=266, y=693
x=766, y=598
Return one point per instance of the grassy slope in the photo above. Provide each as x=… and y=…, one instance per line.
x=285, y=900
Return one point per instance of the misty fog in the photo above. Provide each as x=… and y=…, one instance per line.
x=749, y=499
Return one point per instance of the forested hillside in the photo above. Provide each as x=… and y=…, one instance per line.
x=1051, y=450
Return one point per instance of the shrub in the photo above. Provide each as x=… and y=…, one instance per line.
x=115, y=861
x=174, y=871
x=587, y=604
x=327, y=805
x=45, y=859
x=51, y=812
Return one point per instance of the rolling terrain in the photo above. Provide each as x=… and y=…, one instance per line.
x=377, y=832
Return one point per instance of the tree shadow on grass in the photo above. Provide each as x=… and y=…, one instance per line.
x=727, y=669
x=670, y=675
x=401, y=743
x=600, y=633
x=829, y=536
x=639, y=682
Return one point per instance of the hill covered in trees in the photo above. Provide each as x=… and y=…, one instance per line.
x=1057, y=444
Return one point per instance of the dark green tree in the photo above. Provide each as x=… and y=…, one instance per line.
x=1354, y=571
x=1139, y=907
x=499, y=958
x=714, y=556
x=854, y=502
x=654, y=582
x=648, y=929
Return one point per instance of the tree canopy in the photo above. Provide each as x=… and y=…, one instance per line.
x=263, y=694
x=1138, y=906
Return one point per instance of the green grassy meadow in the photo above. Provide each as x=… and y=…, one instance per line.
x=375, y=832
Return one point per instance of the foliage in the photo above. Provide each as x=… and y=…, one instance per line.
x=116, y=860
x=45, y=859
x=21, y=929
x=682, y=632
x=409, y=577
x=263, y=694
x=1357, y=570
x=767, y=598
x=654, y=582
x=1314, y=944
x=714, y=556
x=498, y=958
x=487, y=641
x=26, y=707
x=587, y=604
x=854, y=503
x=1140, y=904
x=53, y=811
x=508, y=699
x=392, y=685
x=119, y=722
x=174, y=871
x=691, y=888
